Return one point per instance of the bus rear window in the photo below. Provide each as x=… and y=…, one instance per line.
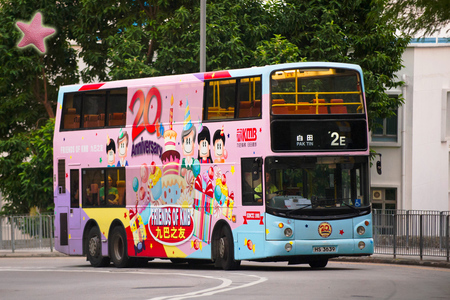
x=316, y=92
x=94, y=109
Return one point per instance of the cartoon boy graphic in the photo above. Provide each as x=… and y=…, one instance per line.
x=219, y=146
x=111, y=152
x=122, y=144
x=188, y=141
x=204, y=148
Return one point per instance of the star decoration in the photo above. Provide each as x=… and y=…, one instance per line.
x=228, y=135
x=181, y=103
x=232, y=170
x=34, y=33
x=341, y=232
x=124, y=215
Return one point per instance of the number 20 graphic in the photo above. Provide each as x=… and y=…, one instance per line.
x=143, y=111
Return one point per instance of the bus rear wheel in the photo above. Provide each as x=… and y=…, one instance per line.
x=94, y=249
x=225, y=251
x=118, y=248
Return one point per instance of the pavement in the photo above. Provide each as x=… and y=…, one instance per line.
x=426, y=261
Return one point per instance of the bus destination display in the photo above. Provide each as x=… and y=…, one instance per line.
x=318, y=135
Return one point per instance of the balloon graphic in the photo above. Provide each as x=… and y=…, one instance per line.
x=218, y=193
x=135, y=184
x=142, y=193
x=144, y=173
x=196, y=168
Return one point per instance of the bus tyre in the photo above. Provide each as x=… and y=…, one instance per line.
x=118, y=248
x=317, y=264
x=94, y=249
x=226, y=251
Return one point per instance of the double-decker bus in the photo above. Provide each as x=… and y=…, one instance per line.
x=265, y=164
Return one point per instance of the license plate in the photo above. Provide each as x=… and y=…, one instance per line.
x=324, y=249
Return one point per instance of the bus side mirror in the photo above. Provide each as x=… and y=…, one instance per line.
x=379, y=167
x=379, y=164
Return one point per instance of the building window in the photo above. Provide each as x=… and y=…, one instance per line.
x=384, y=198
x=386, y=129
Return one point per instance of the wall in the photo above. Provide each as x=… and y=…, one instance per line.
x=418, y=164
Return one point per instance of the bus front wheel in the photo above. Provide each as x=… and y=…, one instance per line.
x=225, y=251
x=94, y=249
x=118, y=250
x=321, y=263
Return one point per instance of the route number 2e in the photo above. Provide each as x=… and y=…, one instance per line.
x=338, y=140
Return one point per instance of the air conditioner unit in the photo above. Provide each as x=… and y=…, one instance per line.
x=376, y=194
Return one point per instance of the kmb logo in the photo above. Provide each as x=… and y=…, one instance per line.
x=246, y=134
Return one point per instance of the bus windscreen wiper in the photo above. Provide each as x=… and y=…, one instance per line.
x=341, y=201
x=298, y=209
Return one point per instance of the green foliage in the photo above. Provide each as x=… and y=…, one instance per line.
x=141, y=38
x=420, y=15
x=348, y=31
x=27, y=170
x=276, y=51
x=29, y=80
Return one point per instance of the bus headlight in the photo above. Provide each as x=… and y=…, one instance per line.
x=288, y=232
x=361, y=245
x=361, y=230
x=288, y=247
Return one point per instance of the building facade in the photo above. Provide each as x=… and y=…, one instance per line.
x=415, y=145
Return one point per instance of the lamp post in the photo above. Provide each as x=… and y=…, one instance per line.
x=202, y=35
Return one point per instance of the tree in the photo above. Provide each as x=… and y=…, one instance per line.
x=28, y=94
x=418, y=15
x=29, y=80
x=137, y=38
x=351, y=32
x=27, y=170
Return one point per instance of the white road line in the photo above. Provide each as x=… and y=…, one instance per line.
x=225, y=286
x=215, y=290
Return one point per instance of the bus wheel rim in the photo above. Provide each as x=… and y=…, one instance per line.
x=93, y=246
x=118, y=248
x=222, y=247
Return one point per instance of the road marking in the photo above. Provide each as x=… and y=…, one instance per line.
x=214, y=290
x=225, y=285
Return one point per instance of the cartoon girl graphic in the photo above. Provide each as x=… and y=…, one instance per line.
x=111, y=152
x=204, y=142
x=219, y=146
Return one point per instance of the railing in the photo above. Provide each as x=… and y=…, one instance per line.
x=26, y=232
x=395, y=232
x=411, y=232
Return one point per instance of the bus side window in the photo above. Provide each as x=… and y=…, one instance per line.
x=220, y=99
x=251, y=169
x=70, y=118
x=117, y=107
x=249, y=96
x=74, y=189
x=93, y=180
x=94, y=109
